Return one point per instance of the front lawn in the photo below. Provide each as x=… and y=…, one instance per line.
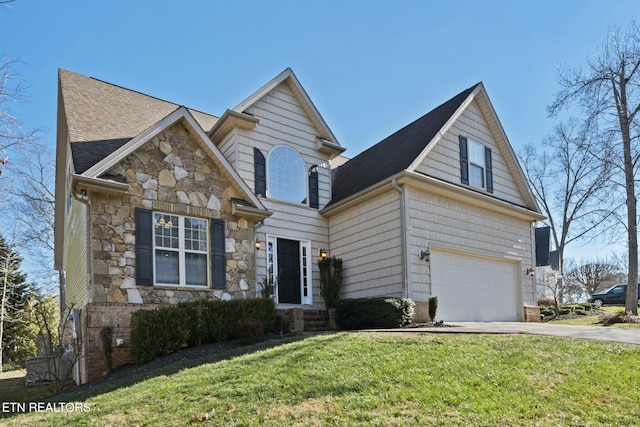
x=371, y=379
x=13, y=388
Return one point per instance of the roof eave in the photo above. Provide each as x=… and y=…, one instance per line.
x=436, y=186
x=251, y=211
x=330, y=148
x=229, y=120
x=81, y=182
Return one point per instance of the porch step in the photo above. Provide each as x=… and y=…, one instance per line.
x=300, y=320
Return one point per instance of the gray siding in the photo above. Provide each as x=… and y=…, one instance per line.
x=435, y=220
x=367, y=238
x=443, y=161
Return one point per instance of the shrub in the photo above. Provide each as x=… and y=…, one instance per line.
x=433, y=308
x=580, y=311
x=268, y=289
x=547, y=311
x=374, y=313
x=588, y=306
x=170, y=328
x=106, y=337
x=548, y=302
x=330, y=281
x=619, y=316
x=249, y=329
x=564, y=310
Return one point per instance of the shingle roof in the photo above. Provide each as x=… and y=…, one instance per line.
x=395, y=153
x=101, y=117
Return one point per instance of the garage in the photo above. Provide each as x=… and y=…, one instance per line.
x=474, y=289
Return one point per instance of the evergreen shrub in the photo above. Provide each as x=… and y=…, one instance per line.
x=170, y=328
x=367, y=313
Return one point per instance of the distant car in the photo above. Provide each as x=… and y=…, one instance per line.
x=615, y=295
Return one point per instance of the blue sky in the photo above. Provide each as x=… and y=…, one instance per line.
x=369, y=66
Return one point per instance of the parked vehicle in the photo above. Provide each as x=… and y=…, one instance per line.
x=615, y=295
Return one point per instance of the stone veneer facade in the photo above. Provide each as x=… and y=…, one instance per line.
x=171, y=173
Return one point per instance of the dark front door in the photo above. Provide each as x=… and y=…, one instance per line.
x=288, y=271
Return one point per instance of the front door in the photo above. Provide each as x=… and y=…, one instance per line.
x=288, y=271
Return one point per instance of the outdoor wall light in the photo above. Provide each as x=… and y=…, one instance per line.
x=82, y=195
x=425, y=255
x=258, y=243
x=322, y=253
x=530, y=271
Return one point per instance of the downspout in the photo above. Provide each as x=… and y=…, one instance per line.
x=534, y=262
x=403, y=238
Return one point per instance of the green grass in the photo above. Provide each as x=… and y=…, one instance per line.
x=368, y=379
x=13, y=388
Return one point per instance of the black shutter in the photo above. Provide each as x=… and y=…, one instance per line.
x=218, y=257
x=488, y=169
x=260, y=173
x=144, y=247
x=464, y=160
x=543, y=243
x=314, y=198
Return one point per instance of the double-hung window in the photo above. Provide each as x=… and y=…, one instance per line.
x=181, y=256
x=179, y=250
x=475, y=164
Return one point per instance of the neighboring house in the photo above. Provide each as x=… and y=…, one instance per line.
x=157, y=204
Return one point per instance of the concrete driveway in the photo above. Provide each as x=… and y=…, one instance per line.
x=601, y=333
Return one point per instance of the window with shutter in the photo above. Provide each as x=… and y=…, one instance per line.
x=171, y=250
x=287, y=175
x=476, y=167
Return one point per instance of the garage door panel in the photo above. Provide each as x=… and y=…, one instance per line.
x=474, y=289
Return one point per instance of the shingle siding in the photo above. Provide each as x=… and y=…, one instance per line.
x=443, y=161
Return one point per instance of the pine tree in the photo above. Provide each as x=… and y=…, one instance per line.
x=14, y=294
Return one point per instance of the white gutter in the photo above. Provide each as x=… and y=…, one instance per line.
x=403, y=237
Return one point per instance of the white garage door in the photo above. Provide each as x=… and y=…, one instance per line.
x=474, y=289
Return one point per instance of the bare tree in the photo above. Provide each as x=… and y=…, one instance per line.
x=34, y=198
x=11, y=91
x=594, y=275
x=609, y=93
x=569, y=183
x=61, y=344
x=30, y=204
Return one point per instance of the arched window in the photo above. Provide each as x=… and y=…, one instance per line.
x=287, y=175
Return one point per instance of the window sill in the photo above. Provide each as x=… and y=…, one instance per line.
x=178, y=287
x=287, y=202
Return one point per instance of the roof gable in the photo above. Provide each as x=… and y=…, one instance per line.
x=288, y=77
x=102, y=117
x=395, y=153
x=181, y=114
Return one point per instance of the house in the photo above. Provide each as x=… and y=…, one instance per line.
x=157, y=203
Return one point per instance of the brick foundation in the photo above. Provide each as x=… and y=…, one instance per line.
x=531, y=314
x=421, y=312
x=118, y=317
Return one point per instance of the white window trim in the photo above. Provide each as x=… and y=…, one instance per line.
x=181, y=254
x=306, y=281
